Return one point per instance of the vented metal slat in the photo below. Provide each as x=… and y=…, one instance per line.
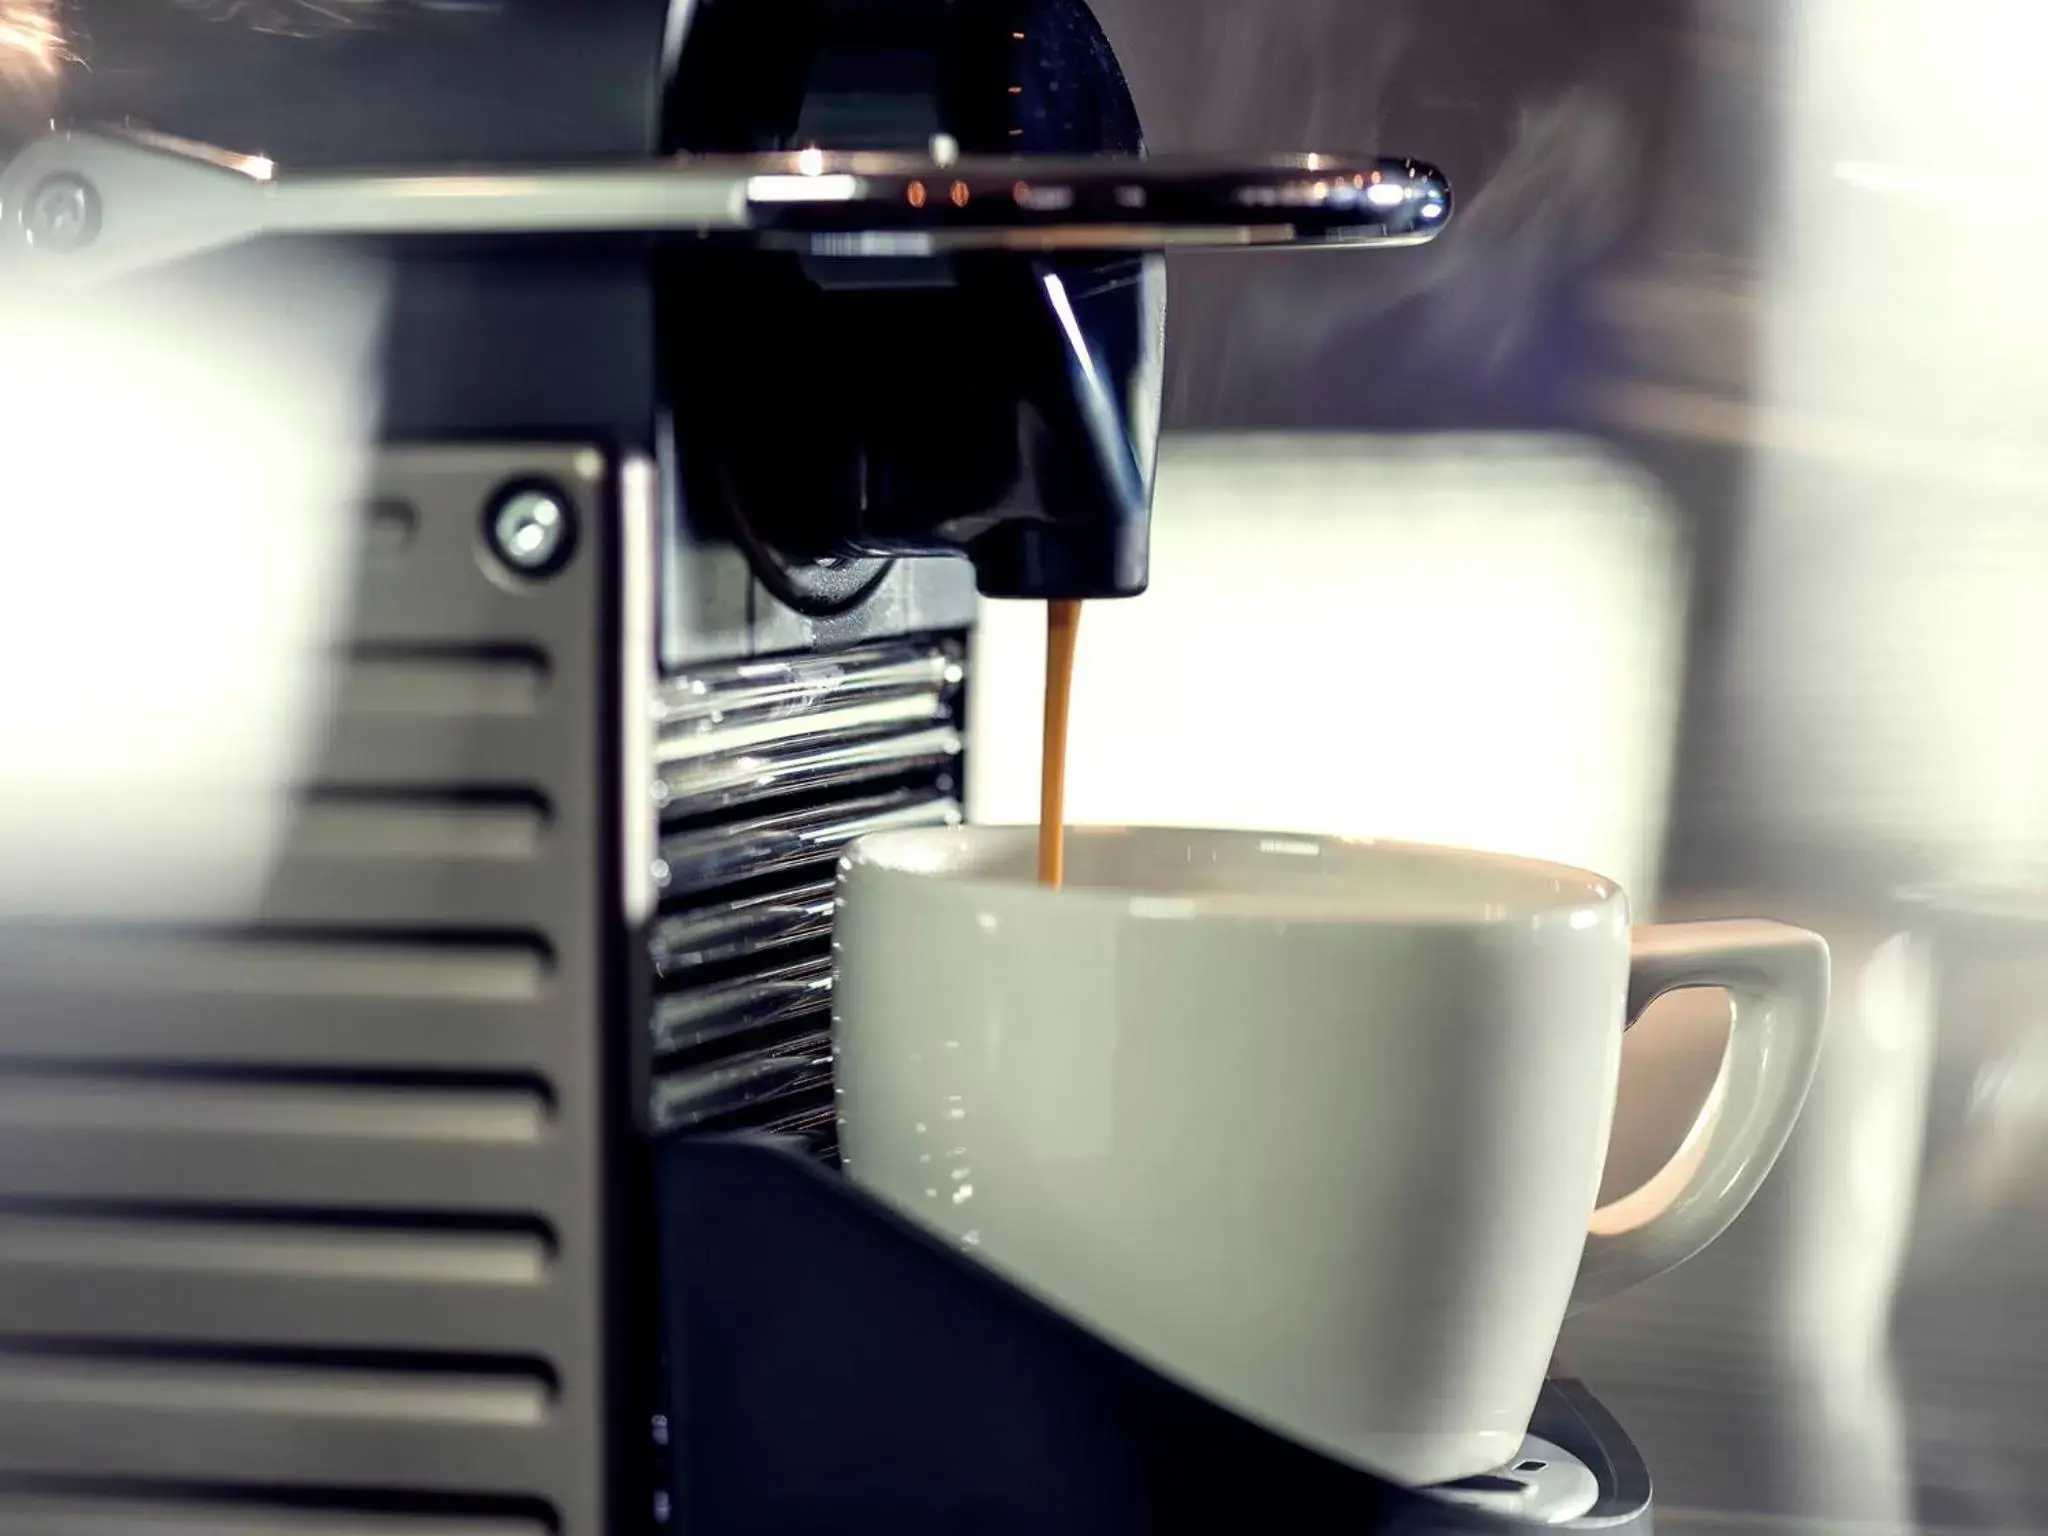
x=403, y=753
x=719, y=699
x=408, y=607
x=194, y=1514
x=416, y=892
x=697, y=1017
x=468, y=680
x=767, y=770
x=98, y=1164
x=794, y=840
x=254, y=1276
x=325, y=1391
x=428, y=968
x=429, y=1114
x=684, y=1099
x=758, y=926
x=336, y=1031
x=729, y=781
x=201, y=1308
x=502, y=827
x=152, y=1439
x=843, y=721
x=171, y=1241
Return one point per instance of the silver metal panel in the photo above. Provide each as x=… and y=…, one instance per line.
x=717, y=708
x=115, y=1427
x=413, y=1174
x=302, y=1224
x=198, y=1306
x=50, y=1514
x=336, y=1030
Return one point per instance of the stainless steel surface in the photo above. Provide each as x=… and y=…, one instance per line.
x=752, y=925
x=794, y=840
x=101, y=205
x=787, y=695
x=685, y=1100
x=690, y=1019
x=705, y=758
x=767, y=769
x=725, y=782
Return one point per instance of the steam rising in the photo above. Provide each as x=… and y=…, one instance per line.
x=1559, y=199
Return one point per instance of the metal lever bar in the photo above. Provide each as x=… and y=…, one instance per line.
x=86, y=206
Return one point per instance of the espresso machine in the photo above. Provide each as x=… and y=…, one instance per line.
x=483, y=1179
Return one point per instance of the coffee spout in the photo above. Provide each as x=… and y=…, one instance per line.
x=1090, y=419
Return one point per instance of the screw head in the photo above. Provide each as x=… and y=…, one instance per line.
x=62, y=214
x=532, y=530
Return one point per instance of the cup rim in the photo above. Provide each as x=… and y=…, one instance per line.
x=937, y=857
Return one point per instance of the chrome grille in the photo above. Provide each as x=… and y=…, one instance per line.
x=766, y=770
x=758, y=925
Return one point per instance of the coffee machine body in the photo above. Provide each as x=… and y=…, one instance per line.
x=350, y=1209
x=630, y=531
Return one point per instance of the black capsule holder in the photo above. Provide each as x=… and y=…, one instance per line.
x=833, y=1368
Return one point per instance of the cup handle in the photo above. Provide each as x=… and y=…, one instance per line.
x=1776, y=977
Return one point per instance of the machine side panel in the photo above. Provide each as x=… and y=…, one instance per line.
x=302, y=1223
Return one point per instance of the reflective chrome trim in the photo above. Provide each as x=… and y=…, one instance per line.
x=685, y=1021
x=717, y=698
x=639, y=514
x=766, y=770
x=732, y=929
x=874, y=716
x=806, y=766
x=86, y=206
x=794, y=840
x=684, y=1099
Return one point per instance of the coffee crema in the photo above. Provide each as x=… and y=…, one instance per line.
x=1062, y=629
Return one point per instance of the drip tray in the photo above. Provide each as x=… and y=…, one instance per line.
x=1544, y=1484
x=832, y=1367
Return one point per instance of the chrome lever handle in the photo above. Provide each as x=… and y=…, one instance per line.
x=81, y=206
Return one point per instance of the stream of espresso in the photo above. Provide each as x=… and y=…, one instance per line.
x=1062, y=628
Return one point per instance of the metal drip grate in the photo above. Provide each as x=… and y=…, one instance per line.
x=765, y=771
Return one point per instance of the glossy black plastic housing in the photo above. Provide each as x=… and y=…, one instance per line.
x=834, y=1368
x=998, y=405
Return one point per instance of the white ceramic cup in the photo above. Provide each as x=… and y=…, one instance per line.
x=1314, y=1126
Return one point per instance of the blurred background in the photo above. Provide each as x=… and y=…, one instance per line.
x=1682, y=514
